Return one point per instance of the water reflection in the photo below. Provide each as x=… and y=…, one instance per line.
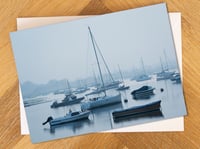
x=74, y=126
x=155, y=113
x=101, y=118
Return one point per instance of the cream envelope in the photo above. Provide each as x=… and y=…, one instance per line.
x=175, y=124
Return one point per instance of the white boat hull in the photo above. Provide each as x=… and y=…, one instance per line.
x=102, y=101
x=66, y=119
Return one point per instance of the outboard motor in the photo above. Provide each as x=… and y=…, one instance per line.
x=48, y=120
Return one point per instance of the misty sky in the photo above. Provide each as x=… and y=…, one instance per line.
x=64, y=51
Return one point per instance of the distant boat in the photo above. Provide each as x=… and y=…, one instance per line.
x=70, y=117
x=100, y=101
x=136, y=111
x=59, y=92
x=68, y=100
x=176, y=78
x=97, y=89
x=143, y=93
x=144, y=76
x=123, y=86
x=81, y=89
x=108, y=86
x=165, y=73
x=112, y=85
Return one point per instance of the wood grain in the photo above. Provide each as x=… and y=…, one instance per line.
x=9, y=99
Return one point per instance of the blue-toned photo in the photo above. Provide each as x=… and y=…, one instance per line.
x=98, y=73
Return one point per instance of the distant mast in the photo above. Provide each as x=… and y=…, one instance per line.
x=161, y=64
x=97, y=60
x=68, y=86
x=121, y=74
x=95, y=79
x=143, y=66
x=166, y=60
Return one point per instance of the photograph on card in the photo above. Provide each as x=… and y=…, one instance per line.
x=98, y=73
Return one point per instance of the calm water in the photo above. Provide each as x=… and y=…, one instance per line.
x=100, y=119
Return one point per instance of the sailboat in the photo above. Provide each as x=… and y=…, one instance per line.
x=123, y=86
x=99, y=101
x=165, y=73
x=176, y=78
x=144, y=76
x=68, y=100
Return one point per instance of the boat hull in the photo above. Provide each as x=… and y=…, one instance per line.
x=123, y=88
x=103, y=101
x=137, y=111
x=143, y=94
x=98, y=91
x=143, y=79
x=164, y=75
x=67, y=119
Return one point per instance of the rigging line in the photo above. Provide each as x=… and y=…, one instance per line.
x=68, y=86
x=161, y=64
x=87, y=56
x=92, y=38
x=104, y=61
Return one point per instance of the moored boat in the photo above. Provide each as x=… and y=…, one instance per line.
x=80, y=90
x=106, y=99
x=135, y=111
x=143, y=93
x=95, y=91
x=164, y=75
x=101, y=102
x=176, y=78
x=68, y=100
x=143, y=78
x=70, y=117
x=123, y=86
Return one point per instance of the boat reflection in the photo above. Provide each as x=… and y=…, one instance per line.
x=155, y=113
x=74, y=126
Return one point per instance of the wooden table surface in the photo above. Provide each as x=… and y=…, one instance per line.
x=9, y=98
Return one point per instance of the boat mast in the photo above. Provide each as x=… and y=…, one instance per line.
x=95, y=79
x=143, y=66
x=104, y=61
x=121, y=74
x=68, y=85
x=166, y=60
x=161, y=64
x=92, y=39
